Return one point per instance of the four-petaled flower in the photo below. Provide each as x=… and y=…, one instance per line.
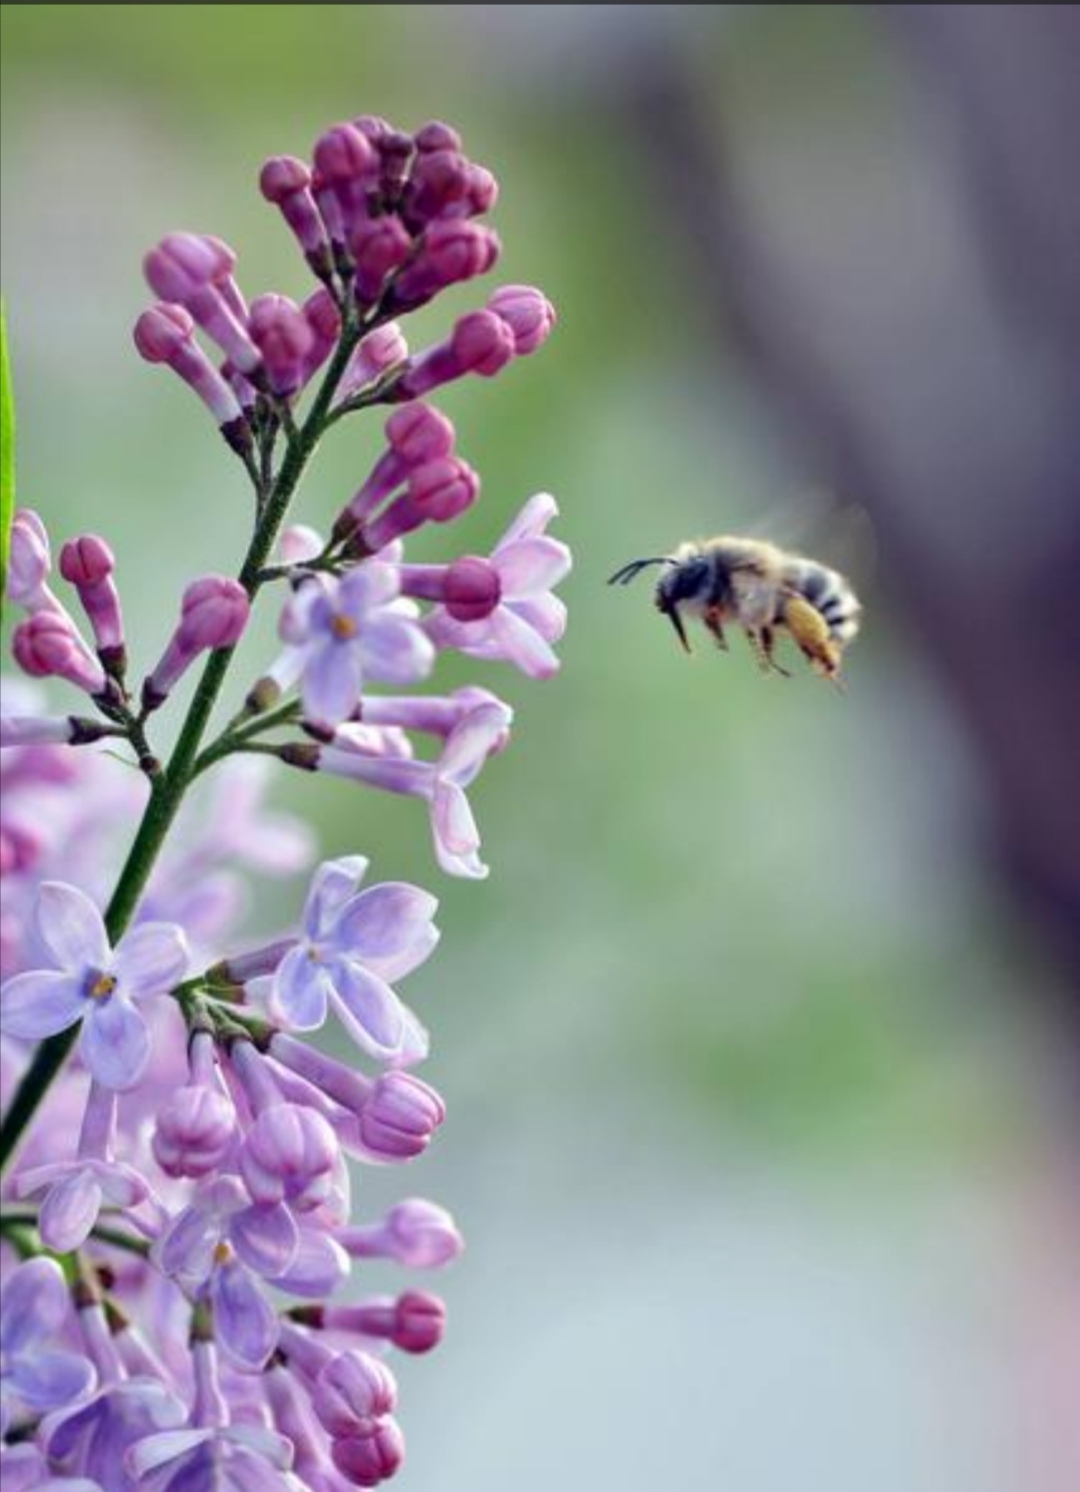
x=528, y=618
x=351, y=630
x=351, y=946
x=34, y=1375
x=93, y=983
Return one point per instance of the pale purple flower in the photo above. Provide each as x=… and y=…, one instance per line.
x=441, y=783
x=528, y=618
x=195, y=1128
x=34, y=1308
x=94, y=984
x=29, y=564
x=91, y=1440
x=74, y=1192
x=349, y=633
x=226, y=1458
x=351, y=945
x=220, y=1244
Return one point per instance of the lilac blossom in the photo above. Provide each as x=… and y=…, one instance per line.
x=87, y=563
x=348, y=633
x=415, y=1233
x=90, y=982
x=521, y=628
x=441, y=783
x=352, y=943
x=74, y=1192
x=34, y=1375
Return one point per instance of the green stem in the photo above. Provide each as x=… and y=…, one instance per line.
x=167, y=791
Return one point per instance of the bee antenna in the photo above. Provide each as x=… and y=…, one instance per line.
x=634, y=568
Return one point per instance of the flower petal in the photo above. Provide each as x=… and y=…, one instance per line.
x=369, y=1009
x=187, y=1245
x=298, y=992
x=331, y=887
x=151, y=958
x=245, y=1323
x=531, y=522
x=384, y=921
x=408, y=958
x=545, y=614
x=452, y=820
x=69, y=1211
x=266, y=1238
x=36, y=1305
x=396, y=650
x=472, y=741
x=532, y=565
x=366, y=587
x=41, y=1003
x=71, y=928
x=50, y=1379
x=331, y=683
x=159, y=1450
x=516, y=642
x=115, y=1043
x=320, y=1266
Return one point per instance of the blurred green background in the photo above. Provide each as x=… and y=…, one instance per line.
x=748, y=1126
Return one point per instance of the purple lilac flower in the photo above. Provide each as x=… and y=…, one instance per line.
x=441, y=783
x=94, y=984
x=351, y=945
x=348, y=633
x=35, y=1376
x=48, y=644
x=29, y=564
x=74, y=1192
x=528, y=618
x=213, y=614
x=91, y=1440
x=88, y=563
x=414, y=1233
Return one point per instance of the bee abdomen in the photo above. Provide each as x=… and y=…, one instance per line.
x=828, y=593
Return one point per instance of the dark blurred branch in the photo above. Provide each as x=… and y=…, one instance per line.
x=940, y=389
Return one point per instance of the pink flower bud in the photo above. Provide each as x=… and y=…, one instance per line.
x=414, y=1322
x=443, y=488
x=472, y=589
x=29, y=563
x=435, y=135
x=213, y=614
x=438, y=183
x=346, y=165
x=418, y=433
x=482, y=343
x=481, y=190
x=379, y=351
x=371, y=1457
x=452, y=250
x=87, y=563
x=48, y=644
x=351, y=1390
x=165, y=334
x=194, y=1131
x=415, y=1233
x=527, y=312
x=378, y=247
x=289, y=1155
x=373, y=126
x=194, y=270
x=400, y=1116
x=281, y=332
x=286, y=182
x=324, y=319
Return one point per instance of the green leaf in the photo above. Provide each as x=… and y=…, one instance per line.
x=7, y=454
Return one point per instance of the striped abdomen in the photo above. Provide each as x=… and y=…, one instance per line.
x=828, y=593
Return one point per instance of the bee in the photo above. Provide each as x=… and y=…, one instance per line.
x=763, y=590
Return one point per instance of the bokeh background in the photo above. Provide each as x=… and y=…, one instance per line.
x=760, y=1043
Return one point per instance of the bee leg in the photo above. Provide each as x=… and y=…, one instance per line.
x=712, y=622
x=811, y=631
x=768, y=642
x=759, y=650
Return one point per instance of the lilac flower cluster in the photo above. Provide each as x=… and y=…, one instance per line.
x=177, y=1241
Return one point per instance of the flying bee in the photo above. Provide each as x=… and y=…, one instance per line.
x=760, y=588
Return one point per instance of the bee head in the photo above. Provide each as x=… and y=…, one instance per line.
x=683, y=580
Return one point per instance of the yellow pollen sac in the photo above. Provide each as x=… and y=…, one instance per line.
x=102, y=987
x=342, y=627
x=222, y=1253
